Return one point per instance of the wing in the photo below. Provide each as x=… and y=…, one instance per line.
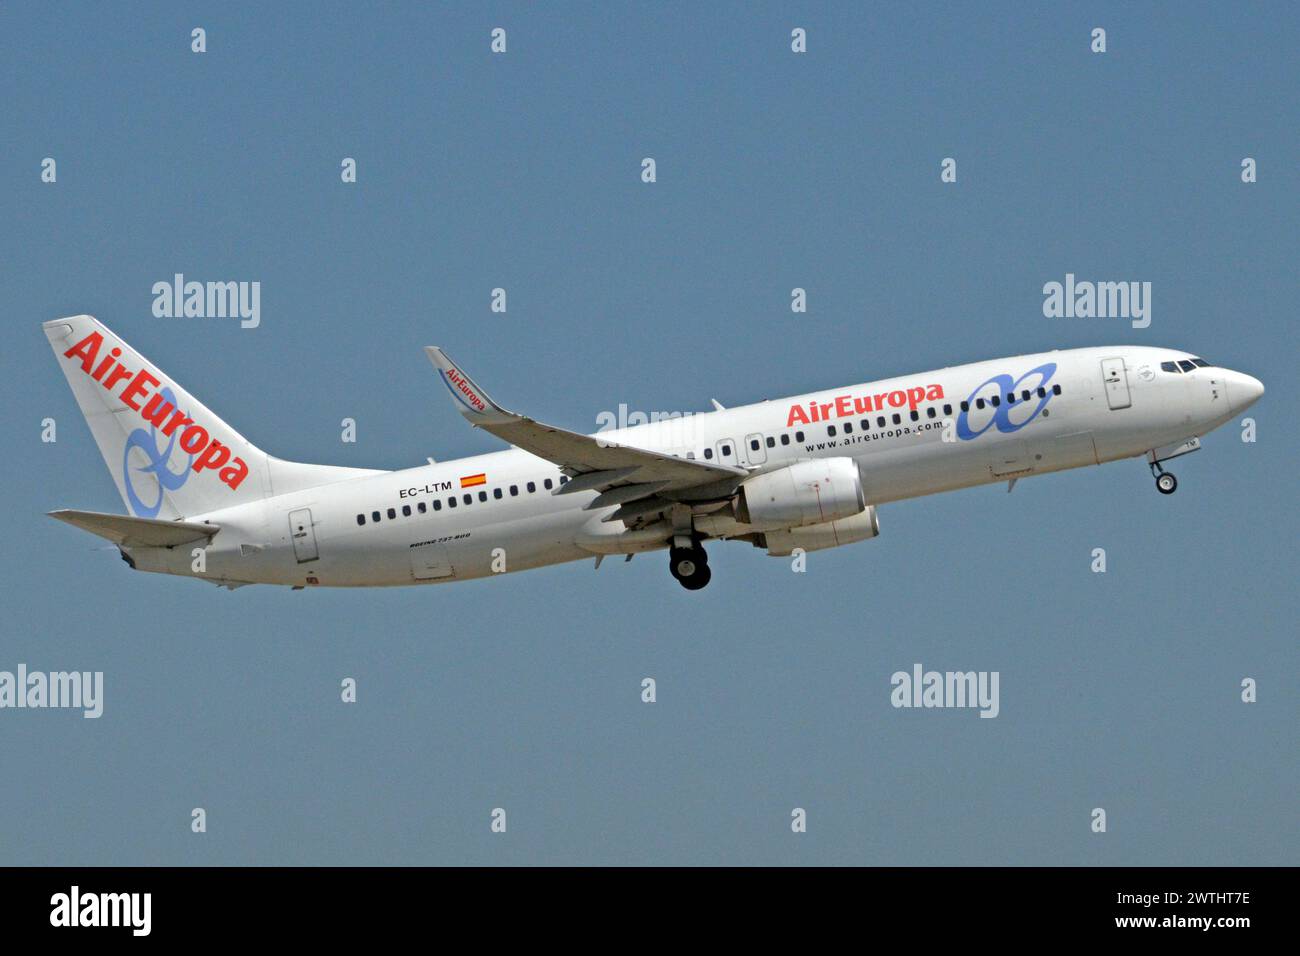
x=624, y=475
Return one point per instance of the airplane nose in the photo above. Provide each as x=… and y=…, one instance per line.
x=1243, y=390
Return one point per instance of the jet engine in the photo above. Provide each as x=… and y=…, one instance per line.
x=805, y=493
x=828, y=534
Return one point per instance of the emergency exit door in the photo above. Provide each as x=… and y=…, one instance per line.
x=303, y=535
x=1116, y=379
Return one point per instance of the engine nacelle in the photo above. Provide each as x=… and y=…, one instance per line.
x=805, y=493
x=829, y=534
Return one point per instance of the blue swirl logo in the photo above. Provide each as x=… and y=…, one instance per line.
x=1001, y=417
x=159, y=458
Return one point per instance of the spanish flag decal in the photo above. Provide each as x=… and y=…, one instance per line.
x=469, y=481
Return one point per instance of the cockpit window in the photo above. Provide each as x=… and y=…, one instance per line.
x=1200, y=363
x=1169, y=366
x=1186, y=365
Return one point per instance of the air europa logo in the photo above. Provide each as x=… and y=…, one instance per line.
x=1012, y=402
x=842, y=406
x=146, y=442
x=460, y=386
x=165, y=419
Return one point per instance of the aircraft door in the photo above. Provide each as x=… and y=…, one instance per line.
x=303, y=534
x=726, y=451
x=754, y=449
x=1116, y=379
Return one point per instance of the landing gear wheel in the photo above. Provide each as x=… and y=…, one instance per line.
x=698, y=580
x=1166, y=483
x=690, y=566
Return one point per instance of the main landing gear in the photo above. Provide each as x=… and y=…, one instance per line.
x=690, y=566
x=1166, y=483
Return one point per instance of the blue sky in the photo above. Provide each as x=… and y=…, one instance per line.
x=775, y=170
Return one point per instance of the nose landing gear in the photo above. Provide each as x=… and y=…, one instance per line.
x=690, y=566
x=1166, y=483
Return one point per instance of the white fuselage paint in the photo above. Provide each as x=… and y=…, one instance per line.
x=1075, y=428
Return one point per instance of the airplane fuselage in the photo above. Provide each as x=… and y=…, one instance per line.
x=909, y=436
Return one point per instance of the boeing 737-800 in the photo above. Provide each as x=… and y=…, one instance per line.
x=806, y=472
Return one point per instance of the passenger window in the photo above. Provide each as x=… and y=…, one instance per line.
x=1042, y=392
x=965, y=406
x=392, y=513
x=406, y=511
x=361, y=519
x=1056, y=390
x=830, y=430
x=482, y=496
x=785, y=439
x=930, y=412
x=532, y=486
x=451, y=502
x=866, y=424
x=374, y=516
x=564, y=479
x=898, y=419
x=437, y=504
x=996, y=400
x=979, y=403
x=798, y=436
x=848, y=428
x=708, y=453
x=1011, y=398
x=947, y=409
x=421, y=507
x=726, y=450
x=468, y=499
x=514, y=491
x=548, y=484
x=753, y=444
x=1024, y=396
x=880, y=421
x=771, y=442
x=496, y=493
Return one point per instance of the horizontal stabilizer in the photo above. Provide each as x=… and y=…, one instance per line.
x=138, y=532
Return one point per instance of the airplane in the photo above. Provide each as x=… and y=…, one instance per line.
x=802, y=473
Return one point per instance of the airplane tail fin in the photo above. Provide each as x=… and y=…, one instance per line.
x=168, y=453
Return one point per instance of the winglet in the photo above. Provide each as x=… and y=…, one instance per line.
x=471, y=401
